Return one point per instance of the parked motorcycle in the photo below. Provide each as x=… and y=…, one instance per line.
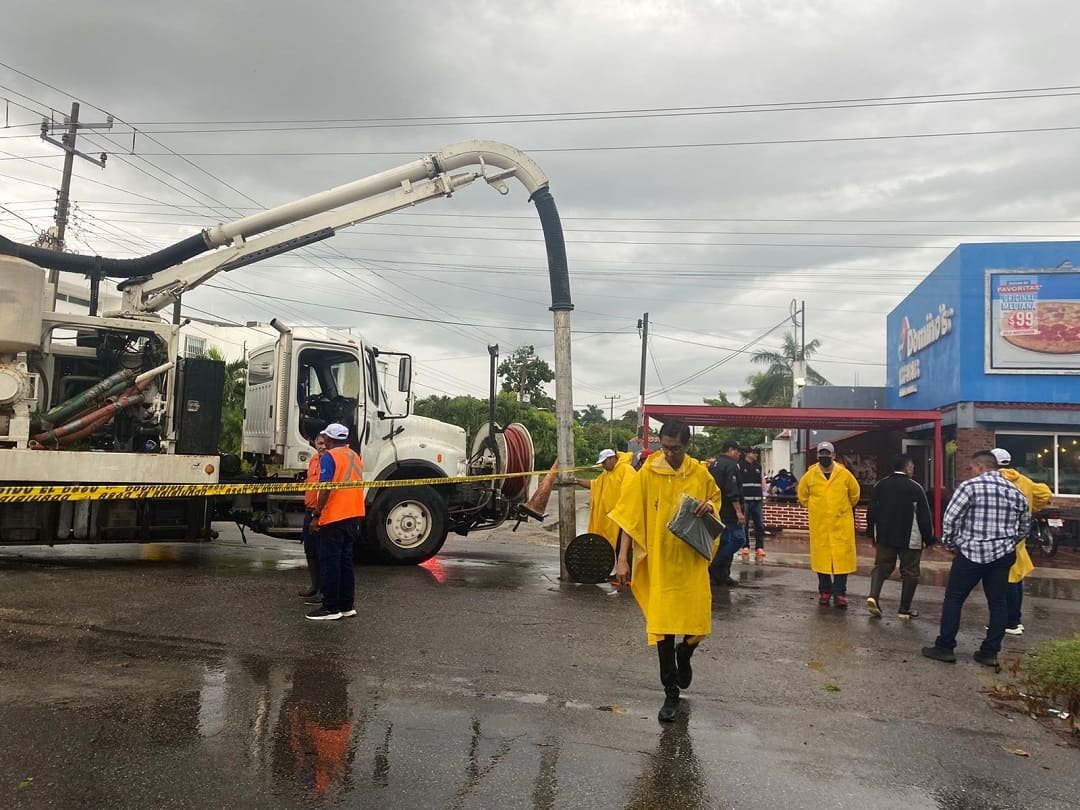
x=1052, y=528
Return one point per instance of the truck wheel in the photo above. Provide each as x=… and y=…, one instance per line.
x=409, y=525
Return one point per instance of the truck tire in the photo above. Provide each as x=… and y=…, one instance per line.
x=408, y=525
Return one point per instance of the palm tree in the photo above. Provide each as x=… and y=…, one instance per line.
x=776, y=385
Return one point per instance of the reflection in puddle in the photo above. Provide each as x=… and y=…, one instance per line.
x=313, y=740
x=212, y=701
x=674, y=777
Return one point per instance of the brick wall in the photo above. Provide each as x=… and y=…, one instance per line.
x=968, y=441
x=790, y=514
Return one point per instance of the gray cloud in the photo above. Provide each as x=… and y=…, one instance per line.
x=233, y=61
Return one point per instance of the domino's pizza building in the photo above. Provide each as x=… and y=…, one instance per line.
x=991, y=340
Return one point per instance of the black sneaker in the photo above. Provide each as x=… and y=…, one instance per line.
x=907, y=615
x=315, y=599
x=987, y=659
x=346, y=614
x=323, y=615
x=668, y=710
x=307, y=592
x=939, y=654
x=683, y=651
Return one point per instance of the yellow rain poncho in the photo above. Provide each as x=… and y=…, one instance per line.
x=669, y=579
x=1038, y=497
x=604, y=496
x=829, y=502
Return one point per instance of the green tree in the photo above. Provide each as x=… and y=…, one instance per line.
x=471, y=414
x=232, y=402
x=592, y=415
x=775, y=386
x=525, y=373
x=708, y=442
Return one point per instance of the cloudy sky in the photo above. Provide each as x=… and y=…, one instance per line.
x=770, y=170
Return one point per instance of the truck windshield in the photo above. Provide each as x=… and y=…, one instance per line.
x=328, y=384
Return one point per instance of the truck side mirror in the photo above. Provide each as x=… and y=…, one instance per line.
x=404, y=374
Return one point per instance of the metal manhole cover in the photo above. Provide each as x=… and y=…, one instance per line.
x=589, y=559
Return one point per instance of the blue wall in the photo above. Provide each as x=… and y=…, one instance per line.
x=953, y=367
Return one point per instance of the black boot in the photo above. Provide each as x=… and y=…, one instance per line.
x=873, y=600
x=669, y=677
x=683, y=651
x=720, y=574
x=907, y=594
x=313, y=573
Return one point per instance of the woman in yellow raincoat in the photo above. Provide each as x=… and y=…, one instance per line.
x=605, y=490
x=1038, y=497
x=829, y=492
x=670, y=580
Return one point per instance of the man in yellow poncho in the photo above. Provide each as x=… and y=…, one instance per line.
x=829, y=492
x=670, y=579
x=1038, y=497
x=604, y=494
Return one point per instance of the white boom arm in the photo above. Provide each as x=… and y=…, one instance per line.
x=319, y=216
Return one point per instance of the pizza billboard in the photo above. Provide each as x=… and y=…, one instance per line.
x=1032, y=321
x=993, y=322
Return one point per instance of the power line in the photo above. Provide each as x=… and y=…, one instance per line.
x=419, y=319
x=567, y=217
x=375, y=122
x=906, y=234
x=639, y=147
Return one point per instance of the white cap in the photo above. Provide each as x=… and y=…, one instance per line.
x=826, y=446
x=605, y=455
x=1002, y=456
x=335, y=431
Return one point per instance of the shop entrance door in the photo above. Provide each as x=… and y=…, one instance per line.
x=920, y=452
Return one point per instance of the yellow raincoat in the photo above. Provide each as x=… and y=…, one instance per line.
x=1038, y=498
x=829, y=503
x=604, y=496
x=669, y=579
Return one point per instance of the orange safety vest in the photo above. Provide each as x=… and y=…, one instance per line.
x=311, y=497
x=344, y=503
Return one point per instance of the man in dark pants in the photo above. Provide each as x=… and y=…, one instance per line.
x=725, y=471
x=752, y=492
x=986, y=518
x=336, y=518
x=899, y=523
x=312, y=594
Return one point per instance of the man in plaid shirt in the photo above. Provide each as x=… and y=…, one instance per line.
x=986, y=518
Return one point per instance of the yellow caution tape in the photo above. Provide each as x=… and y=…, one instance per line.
x=120, y=492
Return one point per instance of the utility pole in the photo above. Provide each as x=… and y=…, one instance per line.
x=643, y=328
x=63, y=199
x=611, y=418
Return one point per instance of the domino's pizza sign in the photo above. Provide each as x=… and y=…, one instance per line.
x=914, y=339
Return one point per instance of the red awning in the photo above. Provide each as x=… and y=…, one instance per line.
x=850, y=419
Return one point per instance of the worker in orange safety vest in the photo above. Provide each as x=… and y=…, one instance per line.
x=336, y=518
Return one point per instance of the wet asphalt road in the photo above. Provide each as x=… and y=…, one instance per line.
x=186, y=676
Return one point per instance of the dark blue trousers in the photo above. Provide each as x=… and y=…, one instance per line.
x=338, y=575
x=754, y=516
x=1014, y=599
x=963, y=577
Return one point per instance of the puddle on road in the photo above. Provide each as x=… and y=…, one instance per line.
x=321, y=732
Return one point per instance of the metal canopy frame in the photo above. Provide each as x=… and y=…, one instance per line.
x=853, y=419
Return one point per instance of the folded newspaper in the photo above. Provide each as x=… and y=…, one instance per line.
x=697, y=531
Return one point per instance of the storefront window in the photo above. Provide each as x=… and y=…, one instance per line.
x=1069, y=464
x=1036, y=456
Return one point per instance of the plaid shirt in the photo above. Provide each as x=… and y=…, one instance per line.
x=986, y=518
